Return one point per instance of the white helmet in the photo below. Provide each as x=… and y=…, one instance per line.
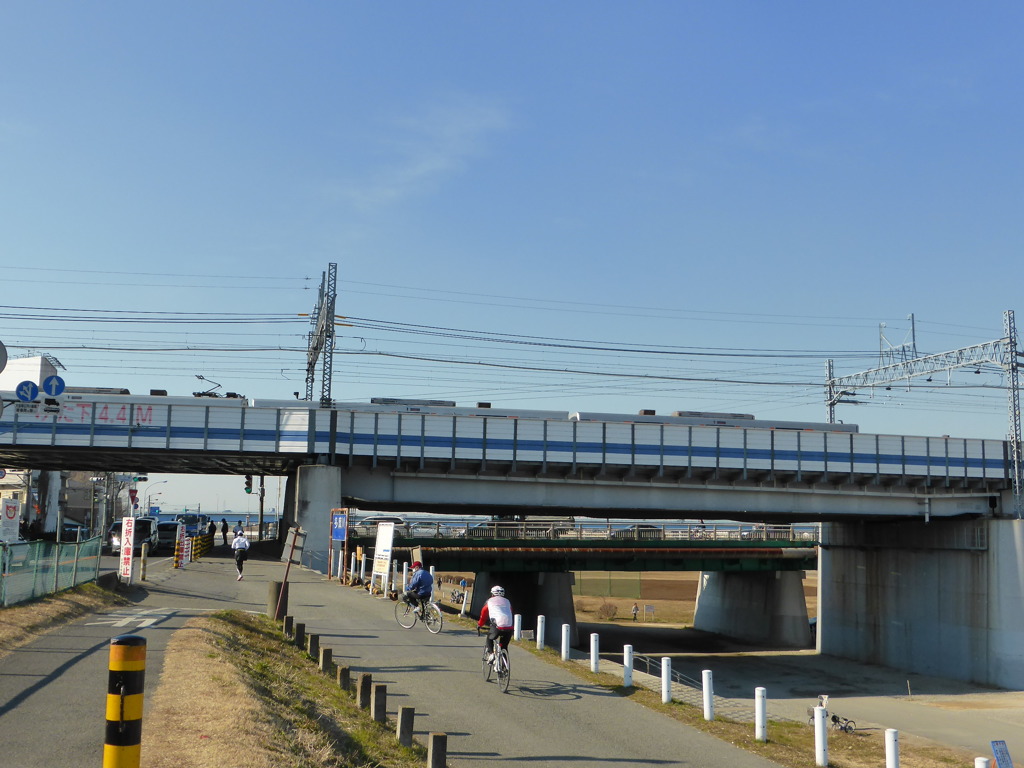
x=499, y=591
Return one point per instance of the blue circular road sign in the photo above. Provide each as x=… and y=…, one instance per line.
x=53, y=385
x=27, y=391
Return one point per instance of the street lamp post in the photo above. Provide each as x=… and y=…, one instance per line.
x=150, y=494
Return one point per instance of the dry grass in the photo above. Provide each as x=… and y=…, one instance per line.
x=234, y=694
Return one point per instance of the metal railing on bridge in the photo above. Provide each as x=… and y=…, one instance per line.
x=595, y=531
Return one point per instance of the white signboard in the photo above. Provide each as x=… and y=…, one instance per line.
x=382, y=549
x=9, y=519
x=127, y=547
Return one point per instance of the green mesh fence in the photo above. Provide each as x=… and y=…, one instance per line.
x=36, y=568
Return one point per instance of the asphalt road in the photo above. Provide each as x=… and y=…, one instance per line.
x=548, y=718
x=52, y=692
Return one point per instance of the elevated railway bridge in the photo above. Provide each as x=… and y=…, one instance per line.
x=911, y=525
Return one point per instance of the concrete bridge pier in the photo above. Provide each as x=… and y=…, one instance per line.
x=317, y=492
x=533, y=594
x=761, y=607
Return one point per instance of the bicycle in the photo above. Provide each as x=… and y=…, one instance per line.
x=500, y=665
x=406, y=615
x=840, y=723
x=835, y=722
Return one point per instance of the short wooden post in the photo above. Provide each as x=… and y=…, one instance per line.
x=289, y=625
x=379, y=702
x=363, y=689
x=437, y=750
x=313, y=645
x=406, y=716
x=344, y=677
x=325, y=660
x=300, y=634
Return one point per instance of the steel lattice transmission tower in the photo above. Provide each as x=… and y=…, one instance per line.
x=1002, y=352
x=321, y=336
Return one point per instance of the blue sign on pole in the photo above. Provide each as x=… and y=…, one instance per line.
x=53, y=385
x=339, y=527
x=27, y=391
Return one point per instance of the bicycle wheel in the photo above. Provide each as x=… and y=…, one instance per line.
x=504, y=670
x=850, y=726
x=404, y=614
x=432, y=618
x=485, y=668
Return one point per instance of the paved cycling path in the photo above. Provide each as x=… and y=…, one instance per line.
x=52, y=691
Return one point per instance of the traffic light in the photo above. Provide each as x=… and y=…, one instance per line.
x=248, y=483
x=140, y=479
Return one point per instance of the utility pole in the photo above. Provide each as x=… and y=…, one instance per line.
x=263, y=492
x=321, y=336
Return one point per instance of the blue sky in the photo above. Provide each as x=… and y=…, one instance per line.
x=747, y=188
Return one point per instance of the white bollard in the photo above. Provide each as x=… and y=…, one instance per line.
x=465, y=601
x=405, y=576
x=627, y=666
x=709, y=695
x=760, y=715
x=820, y=736
x=352, y=567
x=565, y=642
x=362, y=569
x=982, y=762
x=517, y=627
x=666, y=680
x=433, y=583
x=595, y=656
x=892, y=748
x=540, y=633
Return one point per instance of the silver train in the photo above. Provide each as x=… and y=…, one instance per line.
x=449, y=408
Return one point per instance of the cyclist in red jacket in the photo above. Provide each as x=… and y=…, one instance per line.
x=497, y=612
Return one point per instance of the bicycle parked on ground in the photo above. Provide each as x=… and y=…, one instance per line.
x=840, y=723
x=499, y=664
x=427, y=611
x=835, y=722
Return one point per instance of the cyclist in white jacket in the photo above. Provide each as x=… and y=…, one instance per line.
x=497, y=612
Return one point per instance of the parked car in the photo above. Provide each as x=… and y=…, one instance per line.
x=167, y=532
x=368, y=525
x=145, y=533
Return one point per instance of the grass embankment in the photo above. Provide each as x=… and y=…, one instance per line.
x=234, y=693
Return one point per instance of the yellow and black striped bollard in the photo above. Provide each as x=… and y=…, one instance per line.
x=123, y=745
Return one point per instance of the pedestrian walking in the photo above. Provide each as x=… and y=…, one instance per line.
x=224, y=530
x=240, y=546
x=636, y=610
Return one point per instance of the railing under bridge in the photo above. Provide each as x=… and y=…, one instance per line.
x=566, y=531
x=574, y=546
